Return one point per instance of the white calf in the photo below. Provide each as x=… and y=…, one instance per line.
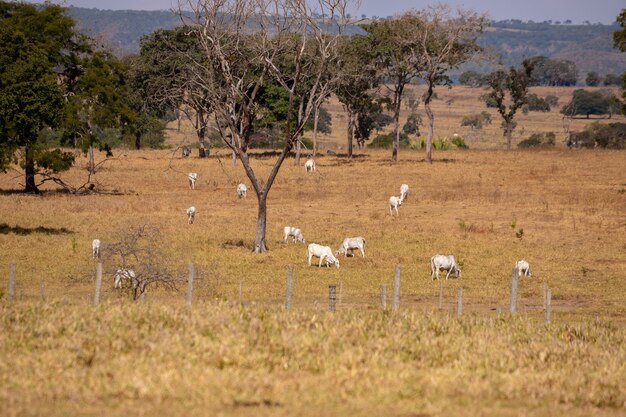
x=309, y=165
x=193, y=176
x=325, y=253
x=394, y=203
x=242, y=191
x=95, y=248
x=125, y=274
x=404, y=192
x=295, y=232
x=191, y=214
x=445, y=262
x=350, y=244
x=523, y=268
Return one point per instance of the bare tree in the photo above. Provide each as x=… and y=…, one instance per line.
x=446, y=40
x=141, y=250
x=247, y=43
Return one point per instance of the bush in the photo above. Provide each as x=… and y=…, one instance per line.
x=538, y=139
x=386, y=141
x=476, y=121
x=489, y=101
x=459, y=143
x=536, y=103
x=597, y=135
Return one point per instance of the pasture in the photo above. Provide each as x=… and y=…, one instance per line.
x=237, y=352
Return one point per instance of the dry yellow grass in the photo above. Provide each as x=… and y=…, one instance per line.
x=66, y=357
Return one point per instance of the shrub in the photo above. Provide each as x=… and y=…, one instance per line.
x=489, y=101
x=459, y=143
x=598, y=135
x=386, y=141
x=538, y=139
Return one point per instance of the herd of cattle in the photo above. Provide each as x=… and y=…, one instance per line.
x=324, y=253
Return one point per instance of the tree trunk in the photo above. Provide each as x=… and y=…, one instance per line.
x=260, y=245
x=396, y=119
x=315, y=121
x=429, y=139
x=91, y=165
x=296, y=162
x=349, y=130
x=29, y=171
x=509, y=136
x=201, y=132
x=137, y=140
x=234, y=155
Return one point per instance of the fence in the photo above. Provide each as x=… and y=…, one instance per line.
x=334, y=292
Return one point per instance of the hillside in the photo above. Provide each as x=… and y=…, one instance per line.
x=589, y=46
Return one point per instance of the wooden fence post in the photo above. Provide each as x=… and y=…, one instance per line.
x=332, y=298
x=544, y=292
x=383, y=297
x=396, y=288
x=42, y=291
x=96, y=297
x=192, y=273
x=513, y=307
x=12, y=272
x=440, y=294
x=289, y=286
x=340, y=295
x=548, y=305
x=459, y=307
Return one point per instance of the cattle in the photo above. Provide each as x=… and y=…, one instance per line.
x=95, y=248
x=295, y=232
x=523, y=268
x=325, y=254
x=186, y=151
x=350, y=244
x=242, y=191
x=125, y=274
x=309, y=165
x=445, y=262
x=404, y=192
x=394, y=203
x=192, y=176
x=191, y=214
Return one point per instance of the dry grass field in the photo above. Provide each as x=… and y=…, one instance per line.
x=237, y=352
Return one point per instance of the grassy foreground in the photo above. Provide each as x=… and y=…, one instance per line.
x=221, y=359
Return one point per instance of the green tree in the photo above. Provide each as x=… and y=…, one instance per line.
x=588, y=103
x=612, y=79
x=593, y=79
x=38, y=56
x=619, y=39
x=509, y=90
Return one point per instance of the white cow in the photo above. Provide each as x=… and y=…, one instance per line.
x=95, y=248
x=404, y=192
x=394, y=203
x=325, y=253
x=309, y=165
x=191, y=214
x=125, y=274
x=523, y=268
x=242, y=191
x=350, y=244
x=192, y=176
x=445, y=262
x=295, y=232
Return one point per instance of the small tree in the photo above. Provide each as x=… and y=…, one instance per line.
x=593, y=79
x=509, y=91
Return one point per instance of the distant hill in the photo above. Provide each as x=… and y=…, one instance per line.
x=589, y=46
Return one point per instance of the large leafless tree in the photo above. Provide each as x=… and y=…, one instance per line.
x=248, y=43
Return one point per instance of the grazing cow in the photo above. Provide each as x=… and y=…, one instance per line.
x=186, y=151
x=95, y=248
x=309, y=165
x=125, y=274
x=445, y=262
x=295, y=232
x=394, y=203
x=350, y=244
x=242, y=191
x=404, y=192
x=325, y=253
x=193, y=176
x=523, y=268
x=191, y=214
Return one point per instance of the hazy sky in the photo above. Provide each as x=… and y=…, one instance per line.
x=578, y=11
